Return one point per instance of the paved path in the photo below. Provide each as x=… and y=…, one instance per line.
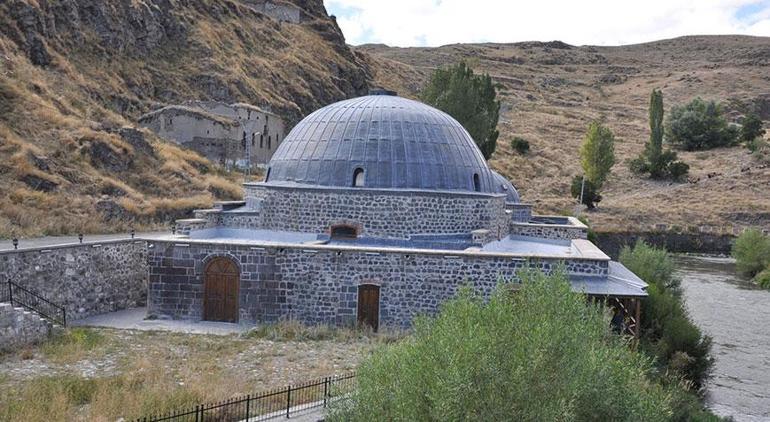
x=133, y=319
x=61, y=240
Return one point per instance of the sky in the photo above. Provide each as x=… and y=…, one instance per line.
x=416, y=23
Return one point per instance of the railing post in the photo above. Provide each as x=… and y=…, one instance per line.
x=248, y=397
x=326, y=389
x=288, y=401
x=64, y=317
x=197, y=413
x=10, y=291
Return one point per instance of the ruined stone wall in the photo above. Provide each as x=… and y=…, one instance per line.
x=87, y=279
x=320, y=285
x=379, y=213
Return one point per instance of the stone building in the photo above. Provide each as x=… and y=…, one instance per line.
x=373, y=210
x=229, y=134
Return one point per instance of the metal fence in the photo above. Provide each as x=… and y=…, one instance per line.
x=280, y=403
x=18, y=295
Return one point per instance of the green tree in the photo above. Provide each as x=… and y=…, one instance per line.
x=654, y=160
x=667, y=333
x=469, y=98
x=540, y=354
x=597, y=154
x=751, y=251
x=699, y=125
x=751, y=128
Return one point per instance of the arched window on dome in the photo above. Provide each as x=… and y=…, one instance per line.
x=358, y=177
x=476, y=182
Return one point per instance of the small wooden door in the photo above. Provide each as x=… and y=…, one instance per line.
x=220, y=296
x=369, y=305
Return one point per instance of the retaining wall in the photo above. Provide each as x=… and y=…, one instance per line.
x=87, y=279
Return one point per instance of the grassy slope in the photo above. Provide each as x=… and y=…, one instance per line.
x=58, y=122
x=550, y=94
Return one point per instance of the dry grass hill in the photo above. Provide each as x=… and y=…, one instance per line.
x=551, y=91
x=75, y=73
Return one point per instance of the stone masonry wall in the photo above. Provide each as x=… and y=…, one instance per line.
x=546, y=231
x=20, y=328
x=88, y=279
x=380, y=213
x=319, y=285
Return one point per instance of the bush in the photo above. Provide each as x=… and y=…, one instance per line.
x=539, y=354
x=751, y=128
x=520, y=145
x=763, y=278
x=591, y=196
x=678, y=170
x=699, y=125
x=667, y=333
x=751, y=251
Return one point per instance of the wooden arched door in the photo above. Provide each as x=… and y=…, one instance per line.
x=220, y=290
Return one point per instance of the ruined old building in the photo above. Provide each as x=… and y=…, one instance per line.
x=233, y=135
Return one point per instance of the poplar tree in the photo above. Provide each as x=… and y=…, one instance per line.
x=597, y=154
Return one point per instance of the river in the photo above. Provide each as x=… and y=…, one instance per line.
x=736, y=314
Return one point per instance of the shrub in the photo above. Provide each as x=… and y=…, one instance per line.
x=667, y=333
x=539, y=354
x=654, y=160
x=591, y=196
x=520, y=145
x=678, y=170
x=763, y=278
x=751, y=251
x=751, y=128
x=699, y=125
x=469, y=98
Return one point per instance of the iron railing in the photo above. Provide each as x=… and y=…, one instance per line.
x=18, y=295
x=280, y=403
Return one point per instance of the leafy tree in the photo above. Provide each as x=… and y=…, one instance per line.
x=654, y=160
x=469, y=98
x=699, y=125
x=591, y=195
x=752, y=128
x=667, y=333
x=540, y=354
x=751, y=251
x=597, y=154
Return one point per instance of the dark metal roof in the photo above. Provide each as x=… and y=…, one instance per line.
x=397, y=142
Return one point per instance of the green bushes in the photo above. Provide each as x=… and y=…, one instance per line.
x=520, y=145
x=585, y=190
x=539, y=354
x=751, y=251
x=699, y=125
x=667, y=333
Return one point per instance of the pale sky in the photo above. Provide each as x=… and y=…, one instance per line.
x=408, y=23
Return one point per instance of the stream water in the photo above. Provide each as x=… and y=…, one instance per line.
x=735, y=314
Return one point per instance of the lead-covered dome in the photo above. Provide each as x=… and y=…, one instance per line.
x=382, y=142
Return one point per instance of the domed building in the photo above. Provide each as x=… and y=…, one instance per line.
x=373, y=210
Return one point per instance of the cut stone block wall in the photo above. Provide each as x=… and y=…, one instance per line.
x=319, y=285
x=380, y=213
x=87, y=279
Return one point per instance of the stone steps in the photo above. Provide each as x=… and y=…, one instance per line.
x=20, y=327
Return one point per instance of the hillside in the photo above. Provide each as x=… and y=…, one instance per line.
x=73, y=73
x=551, y=91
